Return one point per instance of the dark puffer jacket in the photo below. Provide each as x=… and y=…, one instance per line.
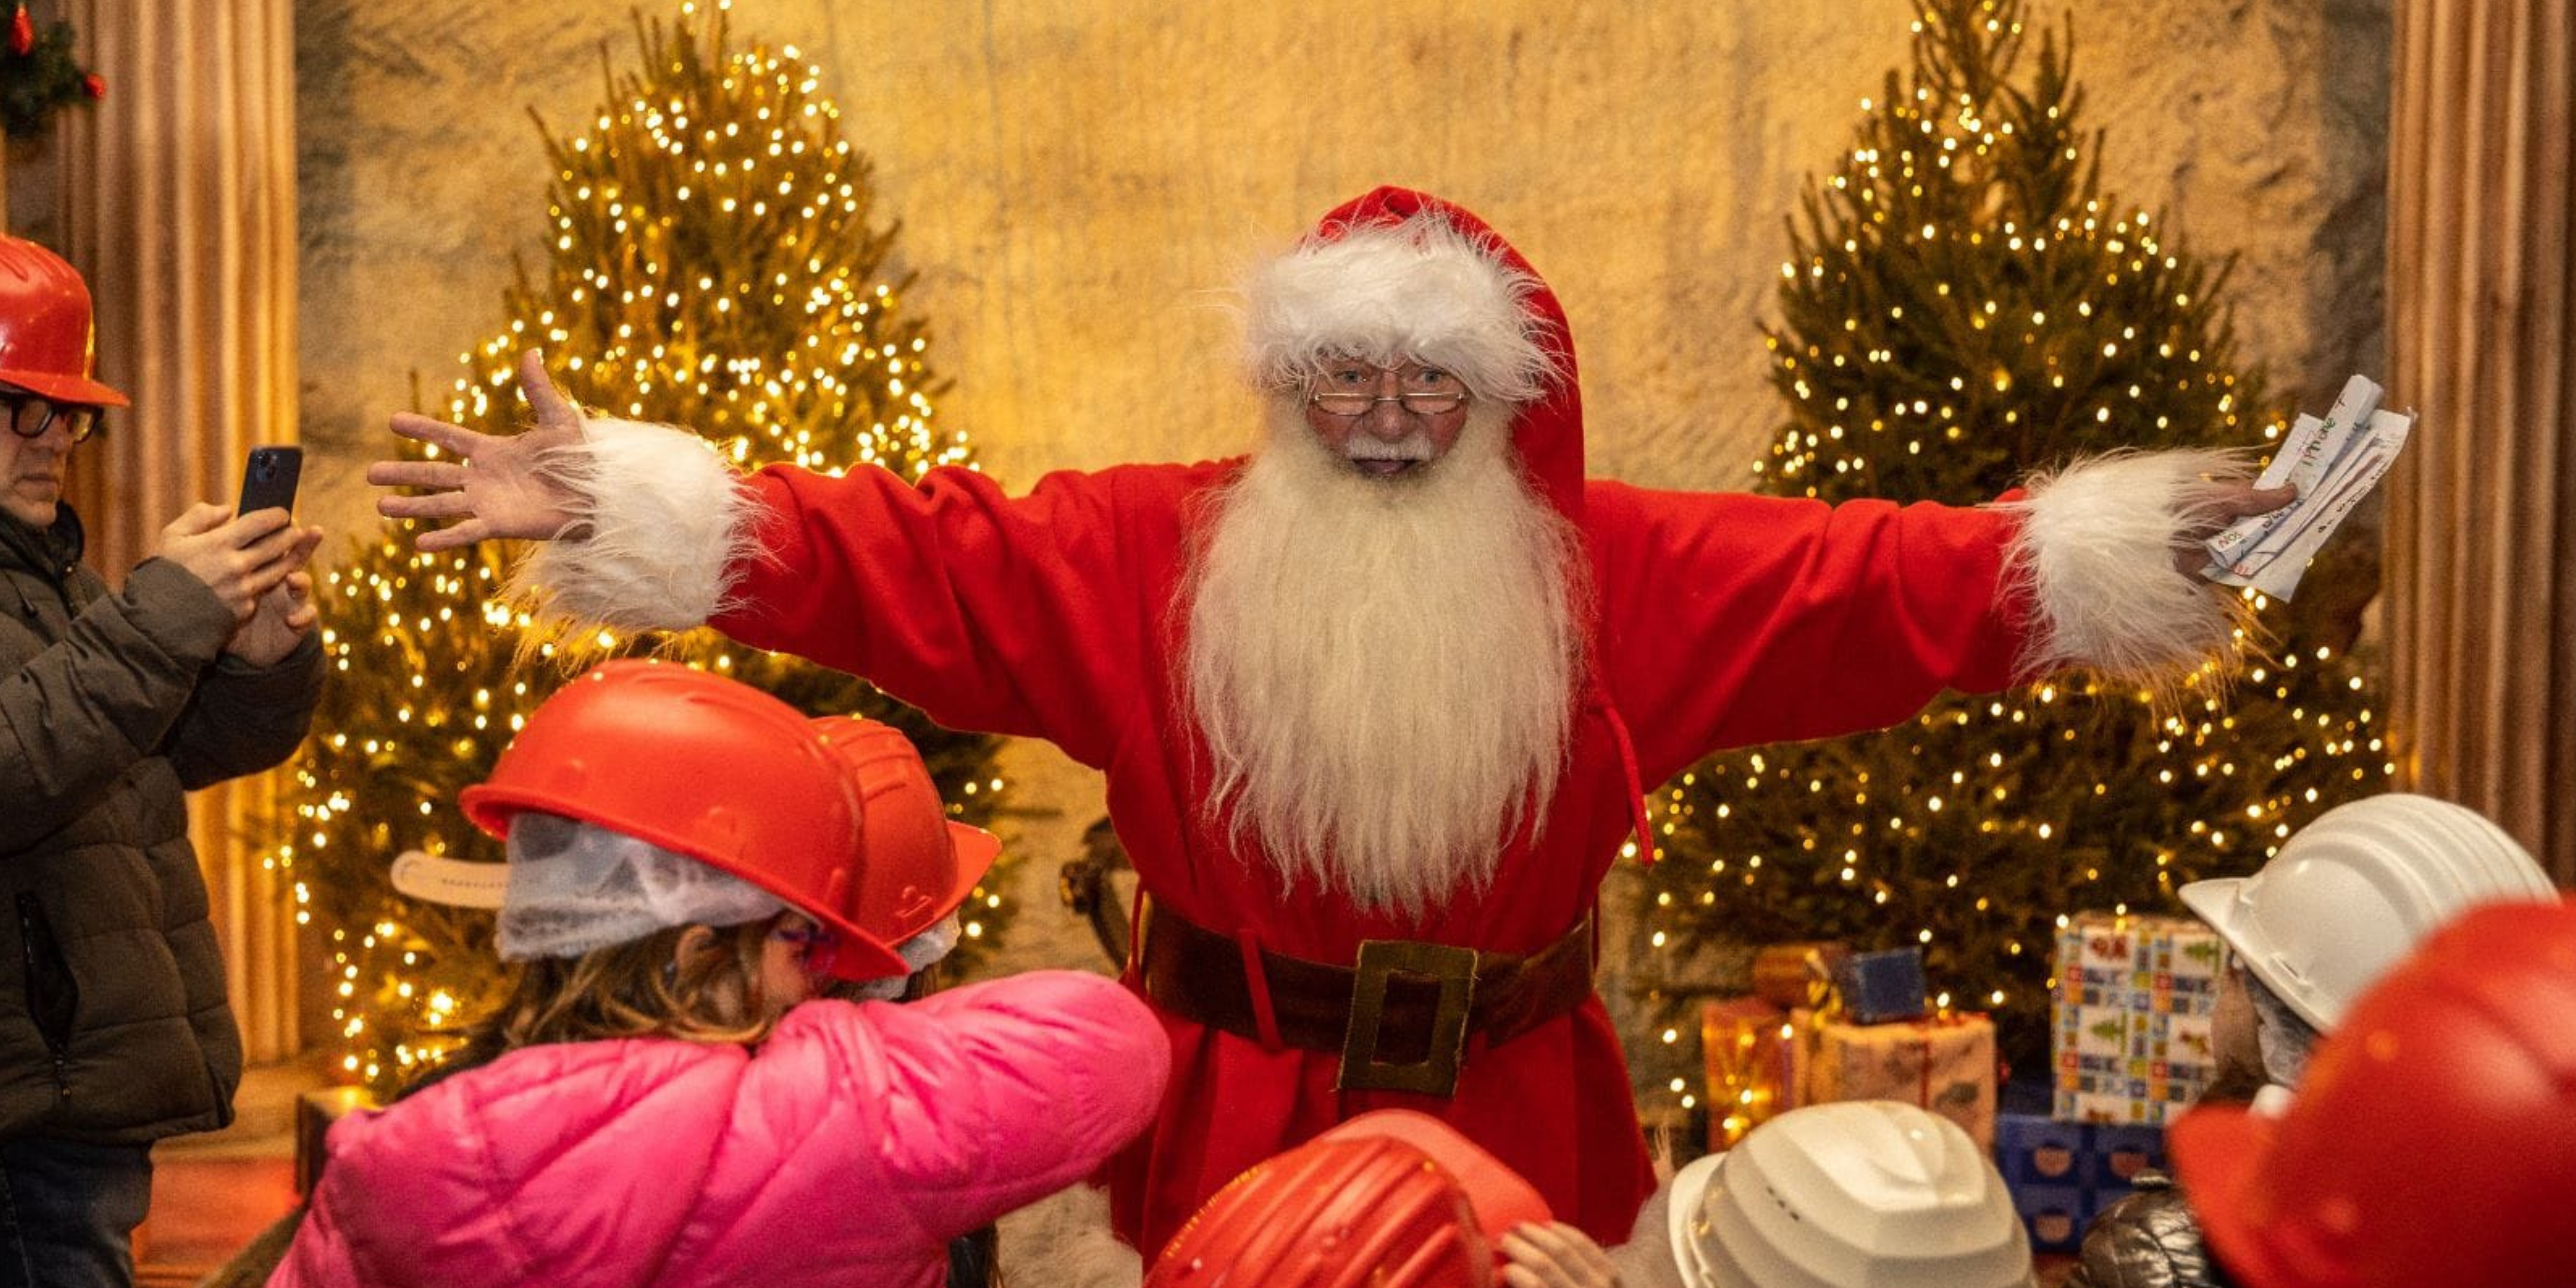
x=114, y=1027
x=2148, y=1240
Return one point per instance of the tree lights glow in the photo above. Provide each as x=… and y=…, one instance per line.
x=1963, y=306
x=710, y=262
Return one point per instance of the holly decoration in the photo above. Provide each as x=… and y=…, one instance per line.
x=38, y=75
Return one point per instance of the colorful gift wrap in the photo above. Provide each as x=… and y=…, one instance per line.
x=1945, y=1063
x=1747, y=1044
x=2132, y=1010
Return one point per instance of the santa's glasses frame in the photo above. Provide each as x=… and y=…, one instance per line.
x=1349, y=390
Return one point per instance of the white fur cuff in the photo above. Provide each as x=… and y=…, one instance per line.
x=660, y=521
x=2095, y=554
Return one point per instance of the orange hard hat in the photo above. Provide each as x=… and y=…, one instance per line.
x=1351, y=1212
x=2432, y=1139
x=1502, y=1199
x=916, y=867
x=703, y=766
x=47, y=340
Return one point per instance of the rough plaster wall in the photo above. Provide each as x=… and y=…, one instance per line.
x=1075, y=177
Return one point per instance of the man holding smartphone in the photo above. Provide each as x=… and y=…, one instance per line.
x=114, y=1027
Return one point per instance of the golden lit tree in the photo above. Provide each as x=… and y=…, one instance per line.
x=1962, y=306
x=713, y=262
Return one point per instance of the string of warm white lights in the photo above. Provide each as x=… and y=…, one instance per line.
x=712, y=263
x=1961, y=306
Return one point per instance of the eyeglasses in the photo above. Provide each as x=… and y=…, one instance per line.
x=1349, y=389
x=31, y=415
x=817, y=949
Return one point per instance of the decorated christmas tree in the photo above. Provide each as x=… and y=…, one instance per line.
x=39, y=75
x=1963, y=306
x=713, y=263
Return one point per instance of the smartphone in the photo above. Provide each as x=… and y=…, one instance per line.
x=269, y=478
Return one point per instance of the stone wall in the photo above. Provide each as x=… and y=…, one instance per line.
x=1077, y=179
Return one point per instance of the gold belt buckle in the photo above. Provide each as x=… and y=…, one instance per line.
x=1436, y=1074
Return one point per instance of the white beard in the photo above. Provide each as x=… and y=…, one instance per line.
x=1383, y=668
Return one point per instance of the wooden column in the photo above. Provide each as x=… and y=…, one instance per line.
x=2482, y=512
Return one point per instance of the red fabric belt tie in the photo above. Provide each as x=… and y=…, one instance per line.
x=1399, y=1015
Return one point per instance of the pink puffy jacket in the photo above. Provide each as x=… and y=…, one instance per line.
x=848, y=1149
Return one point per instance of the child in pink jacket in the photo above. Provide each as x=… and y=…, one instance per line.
x=659, y=1102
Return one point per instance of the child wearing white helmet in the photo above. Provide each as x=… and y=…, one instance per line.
x=2348, y=897
x=663, y=1098
x=1853, y=1194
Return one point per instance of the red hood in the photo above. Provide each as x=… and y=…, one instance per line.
x=1547, y=435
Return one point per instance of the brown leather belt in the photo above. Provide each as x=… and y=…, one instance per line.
x=1399, y=1016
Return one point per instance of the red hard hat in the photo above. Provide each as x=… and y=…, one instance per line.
x=2432, y=1139
x=47, y=344
x=915, y=866
x=1501, y=1198
x=703, y=766
x=1353, y=1212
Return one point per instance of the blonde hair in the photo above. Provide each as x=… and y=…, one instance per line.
x=640, y=988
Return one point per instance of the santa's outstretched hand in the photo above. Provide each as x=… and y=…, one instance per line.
x=2239, y=500
x=495, y=485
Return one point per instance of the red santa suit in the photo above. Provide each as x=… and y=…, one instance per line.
x=1718, y=620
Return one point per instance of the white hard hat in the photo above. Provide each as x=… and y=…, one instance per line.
x=1854, y=1194
x=2351, y=893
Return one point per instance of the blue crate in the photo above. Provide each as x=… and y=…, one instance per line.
x=2062, y=1174
x=2054, y=1215
x=2035, y=1149
x=2119, y=1152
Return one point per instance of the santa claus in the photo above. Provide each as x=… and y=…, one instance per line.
x=1377, y=704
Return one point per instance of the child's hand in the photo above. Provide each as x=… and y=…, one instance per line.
x=1555, y=1255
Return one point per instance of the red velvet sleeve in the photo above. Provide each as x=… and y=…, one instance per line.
x=1730, y=619
x=992, y=613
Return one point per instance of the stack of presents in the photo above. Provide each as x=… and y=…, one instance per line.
x=2131, y=1051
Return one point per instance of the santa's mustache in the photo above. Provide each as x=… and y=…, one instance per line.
x=1415, y=446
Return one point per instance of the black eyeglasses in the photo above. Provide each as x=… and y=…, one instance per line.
x=30, y=415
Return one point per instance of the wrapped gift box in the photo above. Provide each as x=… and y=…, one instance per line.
x=1944, y=1063
x=2132, y=1012
x=1883, y=987
x=1747, y=1044
x=1788, y=974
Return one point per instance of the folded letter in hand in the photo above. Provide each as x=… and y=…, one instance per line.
x=2334, y=463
